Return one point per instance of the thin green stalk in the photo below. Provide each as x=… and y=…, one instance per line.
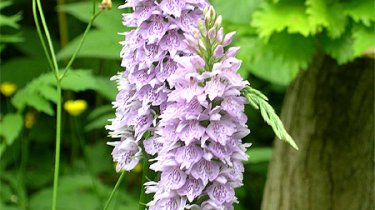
x=49, y=40
x=51, y=57
x=58, y=143
x=36, y=20
x=114, y=190
x=89, y=25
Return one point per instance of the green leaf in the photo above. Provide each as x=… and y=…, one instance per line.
x=49, y=92
x=361, y=11
x=31, y=95
x=280, y=59
x=79, y=80
x=100, y=122
x=99, y=111
x=22, y=70
x=39, y=103
x=340, y=49
x=99, y=117
x=259, y=154
x=328, y=15
x=99, y=165
x=273, y=18
x=10, y=127
x=9, y=20
x=243, y=10
x=102, y=42
x=42, y=90
x=98, y=44
x=77, y=192
x=106, y=88
x=33, y=48
x=109, y=19
x=364, y=39
x=259, y=101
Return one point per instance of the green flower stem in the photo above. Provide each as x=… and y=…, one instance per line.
x=36, y=20
x=89, y=25
x=51, y=57
x=58, y=143
x=49, y=40
x=114, y=190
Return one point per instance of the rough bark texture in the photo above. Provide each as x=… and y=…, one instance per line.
x=329, y=111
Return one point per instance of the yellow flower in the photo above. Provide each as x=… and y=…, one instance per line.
x=75, y=107
x=7, y=88
x=29, y=119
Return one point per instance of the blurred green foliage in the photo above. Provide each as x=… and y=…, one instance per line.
x=278, y=39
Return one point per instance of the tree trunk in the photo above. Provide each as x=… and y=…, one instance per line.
x=329, y=111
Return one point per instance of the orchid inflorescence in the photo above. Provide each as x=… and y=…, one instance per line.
x=181, y=87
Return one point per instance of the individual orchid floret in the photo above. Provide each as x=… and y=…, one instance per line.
x=126, y=154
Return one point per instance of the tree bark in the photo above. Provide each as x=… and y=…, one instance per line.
x=329, y=111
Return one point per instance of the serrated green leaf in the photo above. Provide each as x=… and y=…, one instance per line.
x=340, y=49
x=273, y=18
x=364, y=39
x=79, y=80
x=49, y=92
x=328, y=15
x=280, y=59
x=30, y=95
x=42, y=90
x=39, y=103
x=10, y=127
x=361, y=11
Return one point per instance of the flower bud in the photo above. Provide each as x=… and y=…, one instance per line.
x=218, y=21
x=219, y=51
x=211, y=33
x=231, y=52
x=228, y=38
x=220, y=35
